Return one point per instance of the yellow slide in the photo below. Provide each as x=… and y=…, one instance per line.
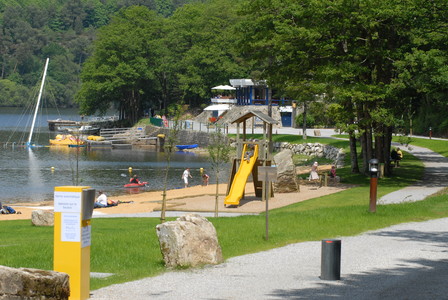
x=240, y=179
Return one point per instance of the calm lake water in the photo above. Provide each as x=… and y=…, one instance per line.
x=26, y=175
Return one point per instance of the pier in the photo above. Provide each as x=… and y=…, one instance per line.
x=101, y=122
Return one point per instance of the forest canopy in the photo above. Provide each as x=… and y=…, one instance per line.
x=377, y=64
x=31, y=31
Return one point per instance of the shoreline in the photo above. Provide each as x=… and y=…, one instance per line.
x=192, y=199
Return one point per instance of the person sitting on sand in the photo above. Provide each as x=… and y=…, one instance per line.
x=134, y=179
x=103, y=201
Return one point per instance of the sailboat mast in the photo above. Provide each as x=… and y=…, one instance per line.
x=38, y=101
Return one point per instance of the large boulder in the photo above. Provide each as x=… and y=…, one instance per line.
x=286, y=173
x=191, y=240
x=42, y=217
x=33, y=284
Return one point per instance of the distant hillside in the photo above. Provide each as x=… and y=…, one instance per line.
x=63, y=30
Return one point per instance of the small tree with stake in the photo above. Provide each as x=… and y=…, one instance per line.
x=219, y=151
x=170, y=143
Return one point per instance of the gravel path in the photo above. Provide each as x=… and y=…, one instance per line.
x=406, y=261
x=434, y=179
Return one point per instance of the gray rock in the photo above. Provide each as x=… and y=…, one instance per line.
x=286, y=173
x=42, y=217
x=33, y=284
x=191, y=240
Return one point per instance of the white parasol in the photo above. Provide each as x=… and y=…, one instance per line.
x=224, y=87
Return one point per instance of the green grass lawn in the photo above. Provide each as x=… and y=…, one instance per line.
x=439, y=146
x=128, y=247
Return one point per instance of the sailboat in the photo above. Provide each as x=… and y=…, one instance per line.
x=60, y=139
x=29, y=143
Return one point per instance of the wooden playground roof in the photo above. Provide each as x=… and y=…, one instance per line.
x=255, y=113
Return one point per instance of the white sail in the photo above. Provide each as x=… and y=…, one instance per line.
x=38, y=103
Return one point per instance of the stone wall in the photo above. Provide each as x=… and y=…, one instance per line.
x=185, y=137
x=337, y=155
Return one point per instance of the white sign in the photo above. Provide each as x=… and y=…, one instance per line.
x=86, y=234
x=69, y=202
x=70, y=227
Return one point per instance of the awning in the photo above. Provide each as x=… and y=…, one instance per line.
x=224, y=87
x=287, y=108
x=218, y=107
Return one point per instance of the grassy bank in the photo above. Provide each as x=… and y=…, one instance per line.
x=128, y=247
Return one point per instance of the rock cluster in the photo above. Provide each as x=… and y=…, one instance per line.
x=30, y=284
x=337, y=155
x=191, y=240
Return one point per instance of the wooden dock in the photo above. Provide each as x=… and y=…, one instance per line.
x=53, y=125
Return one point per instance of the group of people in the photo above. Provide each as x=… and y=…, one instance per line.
x=396, y=156
x=314, y=175
x=103, y=201
x=186, y=175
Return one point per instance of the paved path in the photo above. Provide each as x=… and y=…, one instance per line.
x=406, y=261
x=434, y=179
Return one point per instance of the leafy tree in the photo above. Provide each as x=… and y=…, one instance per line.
x=219, y=151
x=349, y=50
x=119, y=71
x=175, y=112
x=204, y=47
x=13, y=94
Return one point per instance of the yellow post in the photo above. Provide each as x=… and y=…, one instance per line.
x=73, y=208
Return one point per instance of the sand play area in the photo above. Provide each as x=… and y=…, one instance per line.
x=191, y=199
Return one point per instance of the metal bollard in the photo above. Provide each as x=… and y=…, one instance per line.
x=331, y=260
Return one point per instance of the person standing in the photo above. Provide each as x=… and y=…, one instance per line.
x=205, y=179
x=313, y=174
x=399, y=157
x=394, y=156
x=185, y=176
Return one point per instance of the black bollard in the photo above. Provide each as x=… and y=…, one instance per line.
x=331, y=260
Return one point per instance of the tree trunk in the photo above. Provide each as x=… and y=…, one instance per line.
x=304, y=119
x=353, y=153
x=386, y=151
x=365, y=157
x=216, y=194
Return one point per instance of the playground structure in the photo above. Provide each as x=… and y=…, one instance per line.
x=243, y=164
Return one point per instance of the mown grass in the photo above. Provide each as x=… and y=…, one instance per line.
x=128, y=247
x=439, y=146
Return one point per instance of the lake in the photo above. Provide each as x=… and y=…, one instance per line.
x=27, y=175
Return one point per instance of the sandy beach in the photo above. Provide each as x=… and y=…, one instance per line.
x=191, y=199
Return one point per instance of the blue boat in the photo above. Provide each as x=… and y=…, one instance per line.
x=183, y=147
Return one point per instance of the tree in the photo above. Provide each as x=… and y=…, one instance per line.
x=219, y=151
x=204, y=50
x=175, y=111
x=349, y=50
x=120, y=69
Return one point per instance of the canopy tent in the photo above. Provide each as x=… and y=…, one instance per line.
x=224, y=87
x=218, y=107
